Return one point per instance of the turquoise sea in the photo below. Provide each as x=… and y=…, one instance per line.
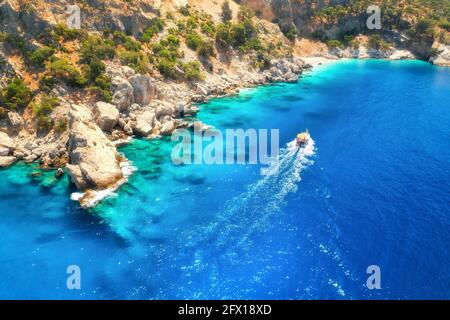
x=375, y=192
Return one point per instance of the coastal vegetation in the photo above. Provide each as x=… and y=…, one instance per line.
x=423, y=21
x=43, y=110
x=15, y=95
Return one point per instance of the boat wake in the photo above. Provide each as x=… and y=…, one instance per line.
x=249, y=213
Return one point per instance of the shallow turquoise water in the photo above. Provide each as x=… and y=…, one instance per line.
x=375, y=192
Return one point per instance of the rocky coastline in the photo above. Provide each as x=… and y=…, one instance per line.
x=147, y=108
x=86, y=130
x=141, y=106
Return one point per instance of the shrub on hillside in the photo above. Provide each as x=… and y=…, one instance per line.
x=62, y=69
x=43, y=111
x=167, y=68
x=40, y=56
x=126, y=41
x=156, y=26
x=290, y=33
x=192, y=71
x=333, y=44
x=226, y=14
x=208, y=28
x=193, y=40
x=95, y=47
x=15, y=95
x=68, y=34
x=245, y=13
x=223, y=34
x=206, y=49
x=378, y=43
x=136, y=60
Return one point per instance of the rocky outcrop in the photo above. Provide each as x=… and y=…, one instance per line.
x=164, y=109
x=143, y=88
x=442, y=57
x=93, y=160
x=14, y=17
x=123, y=96
x=107, y=115
x=367, y=53
x=285, y=70
x=15, y=120
x=6, y=145
x=168, y=127
x=6, y=150
x=144, y=123
x=7, y=161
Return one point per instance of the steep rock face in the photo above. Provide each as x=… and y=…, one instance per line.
x=93, y=159
x=14, y=17
x=132, y=18
x=442, y=58
x=287, y=13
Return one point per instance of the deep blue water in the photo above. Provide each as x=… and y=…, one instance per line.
x=376, y=191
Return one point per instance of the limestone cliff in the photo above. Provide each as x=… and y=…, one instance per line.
x=93, y=160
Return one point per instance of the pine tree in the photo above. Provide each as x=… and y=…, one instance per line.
x=227, y=14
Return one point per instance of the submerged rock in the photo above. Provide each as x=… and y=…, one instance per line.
x=93, y=160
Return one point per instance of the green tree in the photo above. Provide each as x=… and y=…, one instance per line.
x=227, y=14
x=39, y=56
x=15, y=95
x=206, y=49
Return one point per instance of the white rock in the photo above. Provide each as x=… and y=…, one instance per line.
x=201, y=90
x=443, y=56
x=144, y=123
x=4, y=151
x=165, y=109
x=143, y=89
x=6, y=144
x=167, y=128
x=6, y=161
x=123, y=96
x=107, y=115
x=127, y=71
x=93, y=159
x=15, y=119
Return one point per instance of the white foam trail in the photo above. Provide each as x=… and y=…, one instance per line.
x=251, y=210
